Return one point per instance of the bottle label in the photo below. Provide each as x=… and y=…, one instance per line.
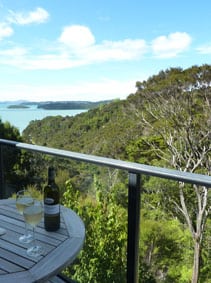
x=50, y=208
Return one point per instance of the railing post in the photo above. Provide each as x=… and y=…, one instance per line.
x=134, y=197
x=1, y=173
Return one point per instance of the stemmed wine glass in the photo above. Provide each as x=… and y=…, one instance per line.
x=33, y=215
x=24, y=199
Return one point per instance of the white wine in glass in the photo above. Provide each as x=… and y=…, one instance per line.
x=24, y=199
x=33, y=215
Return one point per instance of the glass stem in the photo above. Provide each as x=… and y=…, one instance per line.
x=26, y=230
x=33, y=234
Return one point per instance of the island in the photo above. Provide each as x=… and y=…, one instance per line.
x=70, y=105
x=18, y=106
x=59, y=105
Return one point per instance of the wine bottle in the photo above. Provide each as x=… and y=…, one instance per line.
x=51, y=203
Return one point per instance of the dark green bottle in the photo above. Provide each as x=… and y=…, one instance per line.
x=51, y=203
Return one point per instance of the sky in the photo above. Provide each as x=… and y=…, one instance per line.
x=62, y=50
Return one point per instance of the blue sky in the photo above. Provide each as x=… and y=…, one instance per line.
x=96, y=49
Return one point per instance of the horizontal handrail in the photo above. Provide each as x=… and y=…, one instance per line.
x=172, y=174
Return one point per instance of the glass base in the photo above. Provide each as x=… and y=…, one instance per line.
x=26, y=238
x=35, y=251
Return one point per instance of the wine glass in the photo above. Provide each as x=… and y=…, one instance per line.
x=33, y=215
x=24, y=199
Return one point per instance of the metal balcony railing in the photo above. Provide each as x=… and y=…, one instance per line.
x=134, y=170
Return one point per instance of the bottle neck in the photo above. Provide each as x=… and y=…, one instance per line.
x=51, y=175
x=51, y=181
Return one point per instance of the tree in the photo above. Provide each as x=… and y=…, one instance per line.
x=103, y=258
x=162, y=246
x=181, y=117
x=7, y=131
x=10, y=156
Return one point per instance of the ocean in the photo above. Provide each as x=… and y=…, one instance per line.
x=20, y=118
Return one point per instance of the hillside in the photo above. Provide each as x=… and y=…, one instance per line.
x=109, y=129
x=103, y=131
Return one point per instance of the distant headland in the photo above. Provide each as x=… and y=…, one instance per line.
x=60, y=105
x=17, y=106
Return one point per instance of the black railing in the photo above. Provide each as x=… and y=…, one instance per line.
x=135, y=171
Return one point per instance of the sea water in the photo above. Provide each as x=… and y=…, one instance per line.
x=21, y=117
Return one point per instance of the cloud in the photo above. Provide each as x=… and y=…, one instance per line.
x=16, y=51
x=5, y=30
x=80, y=42
x=38, y=16
x=81, y=48
x=93, y=54
x=76, y=46
x=171, y=45
x=127, y=49
x=77, y=36
x=205, y=49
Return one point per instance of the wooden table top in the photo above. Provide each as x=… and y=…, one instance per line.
x=60, y=248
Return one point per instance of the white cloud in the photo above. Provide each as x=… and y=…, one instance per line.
x=5, y=30
x=127, y=49
x=171, y=45
x=205, y=49
x=48, y=62
x=81, y=44
x=16, y=51
x=77, y=36
x=39, y=15
x=76, y=46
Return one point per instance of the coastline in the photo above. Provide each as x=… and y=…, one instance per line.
x=21, y=117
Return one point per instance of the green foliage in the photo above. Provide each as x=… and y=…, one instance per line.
x=10, y=156
x=163, y=242
x=165, y=253
x=146, y=275
x=99, y=131
x=163, y=194
x=35, y=193
x=206, y=255
x=103, y=258
x=7, y=131
x=142, y=151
